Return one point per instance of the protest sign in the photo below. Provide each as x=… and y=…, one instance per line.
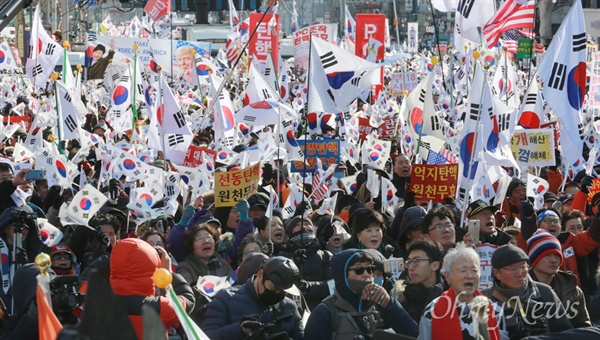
x=533, y=147
x=159, y=48
x=485, y=252
x=326, y=32
x=266, y=38
x=403, y=81
x=327, y=150
x=434, y=182
x=235, y=185
x=594, y=97
x=193, y=158
x=384, y=131
x=594, y=189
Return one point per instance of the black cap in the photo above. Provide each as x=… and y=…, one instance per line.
x=258, y=200
x=550, y=197
x=507, y=255
x=250, y=266
x=282, y=271
x=207, y=219
x=515, y=183
x=565, y=198
x=478, y=206
x=412, y=218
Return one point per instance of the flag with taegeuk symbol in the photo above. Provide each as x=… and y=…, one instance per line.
x=536, y=188
x=85, y=204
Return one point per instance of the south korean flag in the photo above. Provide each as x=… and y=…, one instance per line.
x=536, y=188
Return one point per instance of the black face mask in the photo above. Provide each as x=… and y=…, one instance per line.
x=358, y=285
x=269, y=297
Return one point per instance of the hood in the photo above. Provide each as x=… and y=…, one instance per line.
x=339, y=264
x=132, y=264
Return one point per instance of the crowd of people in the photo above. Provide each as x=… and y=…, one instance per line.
x=334, y=266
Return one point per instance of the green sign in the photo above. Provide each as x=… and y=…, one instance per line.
x=525, y=48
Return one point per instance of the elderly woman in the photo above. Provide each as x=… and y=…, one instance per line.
x=201, y=258
x=368, y=231
x=449, y=316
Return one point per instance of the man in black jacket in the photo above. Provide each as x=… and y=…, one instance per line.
x=257, y=308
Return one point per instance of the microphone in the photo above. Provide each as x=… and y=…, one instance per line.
x=389, y=250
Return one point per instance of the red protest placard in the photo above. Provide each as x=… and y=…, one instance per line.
x=266, y=38
x=193, y=158
x=434, y=182
x=17, y=120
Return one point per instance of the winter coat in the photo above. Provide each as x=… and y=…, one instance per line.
x=229, y=307
x=543, y=310
x=132, y=264
x=194, y=267
x=571, y=296
x=96, y=71
x=415, y=297
x=314, y=267
x=347, y=301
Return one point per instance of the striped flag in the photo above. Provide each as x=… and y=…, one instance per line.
x=449, y=156
x=191, y=329
x=510, y=15
x=435, y=158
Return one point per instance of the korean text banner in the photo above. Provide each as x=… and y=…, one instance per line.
x=434, y=182
x=384, y=131
x=326, y=32
x=533, y=147
x=485, y=252
x=327, y=150
x=160, y=48
x=235, y=185
x=266, y=38
x=594, y=189
x=193, y=158
x=403, y=81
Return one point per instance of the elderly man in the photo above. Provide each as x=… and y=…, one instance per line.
x=449, y=316
x=402, y=171
x=531, y=308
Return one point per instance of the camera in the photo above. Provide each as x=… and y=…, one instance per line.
x=20, y=218
x=65, y=296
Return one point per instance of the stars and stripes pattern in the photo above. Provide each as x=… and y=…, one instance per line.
x=510, y=15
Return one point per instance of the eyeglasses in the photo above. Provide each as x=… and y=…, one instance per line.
x=440, y=227
x=204, y=239
x=361, y=270
x=551, y=220
x=415, y=261
x=514, y=270
x=62, y=256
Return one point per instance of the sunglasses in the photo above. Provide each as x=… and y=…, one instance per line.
x=361, y=270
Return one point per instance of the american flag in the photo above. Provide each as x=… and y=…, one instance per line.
x=510, y=15
x=435, y=158
x=450, y=156
x=510, y=40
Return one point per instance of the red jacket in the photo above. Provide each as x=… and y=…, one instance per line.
x=132, y=263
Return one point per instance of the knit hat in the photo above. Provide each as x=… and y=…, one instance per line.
x=289, y=225
x=507, y=255
x=541, y=244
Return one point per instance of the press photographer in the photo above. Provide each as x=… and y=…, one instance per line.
x=19, y=244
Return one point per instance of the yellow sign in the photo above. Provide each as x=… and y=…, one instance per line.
x=533, y=147
x=235, y=185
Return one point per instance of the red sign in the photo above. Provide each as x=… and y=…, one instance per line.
x=17, y=120
x=266, y=38
x=193, y=158
x=553, y=125
x=385, y=130
x=157, y=9
x=434, y=182
x=370, y=40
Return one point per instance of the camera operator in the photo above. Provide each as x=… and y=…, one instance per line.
x=19, y=244
x=258, y=309
x=66, y=301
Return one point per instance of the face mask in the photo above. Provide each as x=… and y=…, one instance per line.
x=358, y=285
x=378, y=281
x=302, y=238
x=269, y=297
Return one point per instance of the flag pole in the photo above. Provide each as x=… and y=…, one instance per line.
x=473, y=148
x=65, y=45
x=437, y=42
x=134, y=117
x=237, y=61
x=54, y=76
x=171, y=36
x=305, y=109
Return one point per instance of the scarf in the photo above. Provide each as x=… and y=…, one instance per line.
x=448, y=326
x=202, y=268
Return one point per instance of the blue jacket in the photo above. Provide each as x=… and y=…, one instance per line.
x=225, y=312
x=319, y=325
